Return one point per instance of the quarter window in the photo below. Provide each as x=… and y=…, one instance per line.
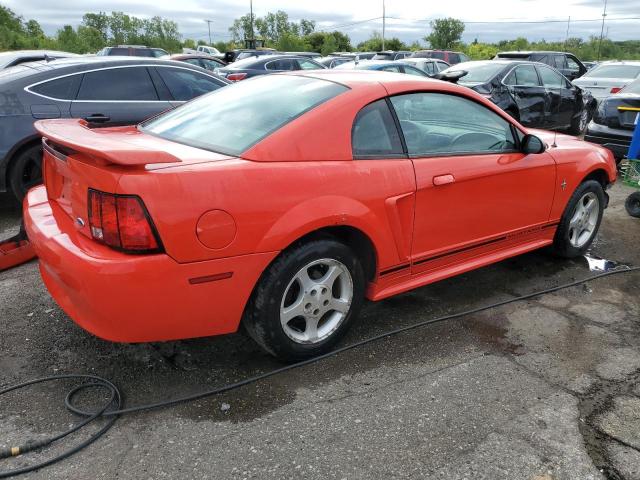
x=391, y=68
x=413, y=71
x=64, y=88
x=186, y=84
x=436, y=124
x=130, y=84
x=374, y=132
x=308, y=65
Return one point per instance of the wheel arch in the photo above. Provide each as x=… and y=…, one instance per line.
x=11, y=155
x=598, y=174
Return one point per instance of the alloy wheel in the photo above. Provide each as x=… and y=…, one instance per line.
x=584, y=220
x=316, y=301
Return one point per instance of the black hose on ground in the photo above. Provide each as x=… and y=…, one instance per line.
x=113, y=408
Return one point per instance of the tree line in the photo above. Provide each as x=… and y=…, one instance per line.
x=98, y=30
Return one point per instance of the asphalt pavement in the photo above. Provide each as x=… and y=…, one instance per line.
x=544, y=389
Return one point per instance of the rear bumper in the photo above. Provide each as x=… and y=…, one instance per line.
x=136, y=298
x=616, y=140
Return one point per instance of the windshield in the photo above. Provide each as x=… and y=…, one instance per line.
x=232, y=119
x=477, y=72
x=614, y=71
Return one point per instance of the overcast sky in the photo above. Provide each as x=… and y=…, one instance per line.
x=407, y=19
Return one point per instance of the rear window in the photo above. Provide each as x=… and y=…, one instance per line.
x=614, y=71
x=480, y=72
x=186, y=84
x=232, y=119
x=130, y=83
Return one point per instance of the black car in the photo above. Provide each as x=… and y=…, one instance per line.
x=105, y=91
x=391, y=55
x=613, y=124
x=252, y=67
x=533, y=93
x=132, y=51
x=566, y=63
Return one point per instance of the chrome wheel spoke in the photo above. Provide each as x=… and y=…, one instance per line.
x=584, y=220
x=292, y=311
x=311, y=329
x=330, y=277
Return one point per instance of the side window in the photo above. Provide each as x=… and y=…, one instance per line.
x=374, y=132
x=442, y=66
x=413, y=71
x=464, y=58
x=307, y=65
x=193, y=61
x=186, y=84
x=558, y=62
x=442, y=124
x=551, y=79
x=454, y=58
x=64, y=88
x=523, y=76
x=573, y=65
x=132, y=83
x=391, y=68
x=429, y=68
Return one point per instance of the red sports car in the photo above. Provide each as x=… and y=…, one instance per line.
x=282, y=202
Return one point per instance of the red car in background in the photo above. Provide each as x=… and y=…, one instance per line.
x=282, y=202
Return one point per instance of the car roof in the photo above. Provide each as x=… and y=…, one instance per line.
x=355, y=79
x=531, y=52
x=25, y=53
x=42, y=70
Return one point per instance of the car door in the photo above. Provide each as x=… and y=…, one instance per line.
x=474, y=189
x=530, y=96
x=183, y=84
x=561, y=98
x=117, y=96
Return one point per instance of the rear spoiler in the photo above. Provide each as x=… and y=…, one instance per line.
x=125, y=146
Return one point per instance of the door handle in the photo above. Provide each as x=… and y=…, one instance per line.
x=443, y=179
x=97, y=118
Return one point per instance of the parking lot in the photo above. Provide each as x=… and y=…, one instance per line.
x=541, y=389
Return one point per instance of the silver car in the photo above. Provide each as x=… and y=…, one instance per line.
x=608, y=78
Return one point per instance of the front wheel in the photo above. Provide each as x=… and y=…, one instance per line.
x=632, y=204
x=306, y=300
x=580, y=221
x=579, y=124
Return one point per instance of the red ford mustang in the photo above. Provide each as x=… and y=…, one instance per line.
x=282, y=202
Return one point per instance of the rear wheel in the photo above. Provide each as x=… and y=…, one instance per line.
x=580, y=221
x=632, y=204
x=306, y=300
x=26, y=171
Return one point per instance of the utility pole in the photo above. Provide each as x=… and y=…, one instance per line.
x=604, y=14
x=209, y=25
x=566, y=38
x=253, y=37
x=384, y=22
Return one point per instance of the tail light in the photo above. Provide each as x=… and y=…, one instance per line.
x=616, y=89
x=236, y=77
x=122, y=222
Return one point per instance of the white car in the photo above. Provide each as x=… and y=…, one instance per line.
x=608, y=78
x=208, y=50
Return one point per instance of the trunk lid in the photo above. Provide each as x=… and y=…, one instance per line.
x=77, y=158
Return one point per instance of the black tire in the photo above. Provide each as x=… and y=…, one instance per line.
x=262, y=316
x=579, y=123
x=25, y=170
x=632, y=204
x=561, y=243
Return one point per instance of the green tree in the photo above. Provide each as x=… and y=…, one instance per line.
x=290, y=42
x=374, y=44
x=445, y=33
x=329, y=45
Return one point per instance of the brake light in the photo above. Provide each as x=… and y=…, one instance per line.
x=616, y=89
x=122, y=222
x=236, y=77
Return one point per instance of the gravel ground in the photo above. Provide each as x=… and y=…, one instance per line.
x=538, y=390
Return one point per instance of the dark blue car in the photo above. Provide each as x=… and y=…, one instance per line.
x=252, y=67
x=105, y=91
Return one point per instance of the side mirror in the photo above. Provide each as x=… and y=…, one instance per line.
x=532, y=145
